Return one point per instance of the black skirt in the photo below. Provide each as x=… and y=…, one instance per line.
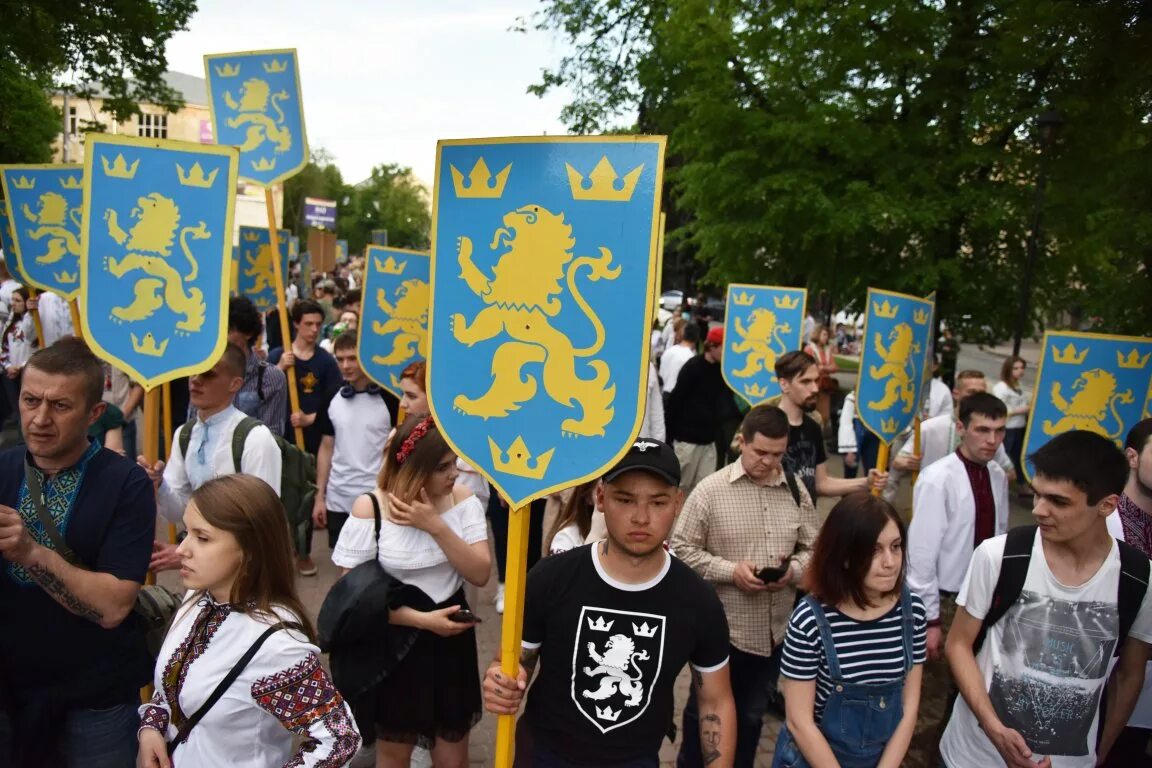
x=434, y=692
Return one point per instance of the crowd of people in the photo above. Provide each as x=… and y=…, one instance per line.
x=700, y=549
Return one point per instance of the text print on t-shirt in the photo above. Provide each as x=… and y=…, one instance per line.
x=616, y=659
x=1056, y=657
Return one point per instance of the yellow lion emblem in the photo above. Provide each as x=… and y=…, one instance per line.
x=524, y=292
x=407, y=318
x=619, y=654
x=149, y=243
x=896, y=368
x=1095, y=394
x=52, y=220
x=260, y=267
x=252, y=110
x=757, y=340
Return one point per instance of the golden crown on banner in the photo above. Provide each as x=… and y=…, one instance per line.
x=520, y=460
x=119, y=168
x=603, y=186
x=886, y=310
x=480, y=182
x=1069, y=355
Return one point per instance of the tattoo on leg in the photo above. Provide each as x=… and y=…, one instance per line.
x=710, y=737
x=54, y=586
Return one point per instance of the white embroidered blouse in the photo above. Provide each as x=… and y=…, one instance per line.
x=409, y=554
x=283, y=691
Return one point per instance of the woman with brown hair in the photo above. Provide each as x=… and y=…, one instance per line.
x=237, y=562
x=574, y=522
x=821, y=349
x=855, y=646
x=1018, y=401
x=433, y=538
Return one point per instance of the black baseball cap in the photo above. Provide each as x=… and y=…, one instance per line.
x=650, y=455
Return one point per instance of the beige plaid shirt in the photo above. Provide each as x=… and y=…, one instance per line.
x=728, y=519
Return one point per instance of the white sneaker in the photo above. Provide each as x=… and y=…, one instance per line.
x=499, y=599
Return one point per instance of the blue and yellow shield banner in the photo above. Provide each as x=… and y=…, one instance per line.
x=761, y=323
x=1088, y=381
x=256, y=106
x=7, y=245
x=544, y=258
x=393, y=330
x=255, y=275
x=157, y=244
x=897, y=336
x=341, y=251
x=45, y=203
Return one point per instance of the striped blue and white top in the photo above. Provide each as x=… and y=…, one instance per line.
x=869, y=651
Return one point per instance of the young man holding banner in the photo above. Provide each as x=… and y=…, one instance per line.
x=623, y=603
x=799, y=378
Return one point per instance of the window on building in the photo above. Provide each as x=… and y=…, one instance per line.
x=73, y=122
x=153, y=126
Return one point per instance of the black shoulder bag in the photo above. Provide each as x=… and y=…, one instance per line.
x=155, y=605
x=226, y=683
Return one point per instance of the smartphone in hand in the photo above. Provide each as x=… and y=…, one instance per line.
x=465, y=616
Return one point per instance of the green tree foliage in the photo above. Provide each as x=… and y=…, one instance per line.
x=389, y=199
x=28, y=122
x=117, y=45
x=888, y=142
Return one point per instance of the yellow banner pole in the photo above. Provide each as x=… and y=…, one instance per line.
x=166, y=434
x=513, y=626
x=74, y=309
x=32, y=294
x=150, y=450
x=882, y=462
x=281, y=310
x=916, y=448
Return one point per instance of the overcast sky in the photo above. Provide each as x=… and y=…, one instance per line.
x=382, y=81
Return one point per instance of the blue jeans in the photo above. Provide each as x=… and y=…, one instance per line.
x=753, y=679
x=88, y=738
x=858, y=719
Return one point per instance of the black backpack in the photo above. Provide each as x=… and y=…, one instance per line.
x=1134, y=569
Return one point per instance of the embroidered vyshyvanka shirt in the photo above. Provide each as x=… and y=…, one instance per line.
x=283, y=691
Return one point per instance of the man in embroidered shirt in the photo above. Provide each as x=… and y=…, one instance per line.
x=356, y=424
x=959, y=501
x=1132, y=523
x=72, y=658
x=209, y=451
x=748, y=516
x=939, y=437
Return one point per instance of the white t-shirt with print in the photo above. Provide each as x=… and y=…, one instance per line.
x=1045, y=662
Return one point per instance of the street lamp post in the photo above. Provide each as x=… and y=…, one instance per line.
x=1049, y=124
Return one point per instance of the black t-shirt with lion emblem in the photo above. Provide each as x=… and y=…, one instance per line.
x=610, y=653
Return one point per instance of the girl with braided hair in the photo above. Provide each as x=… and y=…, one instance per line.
x=433, y=538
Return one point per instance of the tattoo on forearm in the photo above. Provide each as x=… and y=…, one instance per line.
x=528, y=659
x=55, y=586
x=710, y=737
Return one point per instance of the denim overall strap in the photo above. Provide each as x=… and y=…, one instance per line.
x=907, y=621
x=825, y=628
